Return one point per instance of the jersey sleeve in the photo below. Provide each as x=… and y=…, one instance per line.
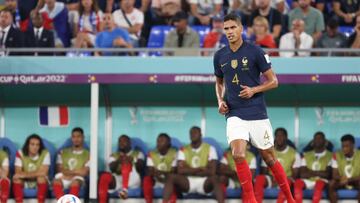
x=217, y=67
x=59, y=158
x=174, y=163
x=181, y=156
x=224, y=160
x=334, y=163
x=149, y=161
x=140, y=156
x=5, y=162
x=297, y=162
x=263, y=164
x=46, y=160
x=262, y=60
x=18, y=161
x=212, y=154
x=111, y=159
x=303, y=161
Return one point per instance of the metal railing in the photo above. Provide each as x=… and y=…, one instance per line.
x=161, y=51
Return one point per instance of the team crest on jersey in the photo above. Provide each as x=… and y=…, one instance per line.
x=316, y=166
x=162, y=167
x=72, y=163
x=195, y=161
x=245, y=62
x=234, y=63
x=348, y=171
x=32, y=167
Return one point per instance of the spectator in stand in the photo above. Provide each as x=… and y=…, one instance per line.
x=112, y=36
x=24, y=8
x=325, y=7
x=242, y=8
x=131, y=19
x=10, y=37
x=182, y=36
x=55, y=15
x=347, y=11
x=38, y=36
x=332, y=38
x=12, y=6
x=262, y=37
x=313, y=18
x=345, y=168
x=315, y=170
x=272, y=15
x=4, y=176
x=72, y=166
x=203, y=10
x=164, y=11
x=216, y=37
x=296, y=39
x=126, y=166
x=31, y=169
x=354, y=39
x=87, y=23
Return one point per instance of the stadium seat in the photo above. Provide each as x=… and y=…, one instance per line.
x=176, y=143
x=271, y=193
x=202, y=31
x=233, y=193
x=357, y=142
x=7, y=145
x=157, y=38
x=214, y=143
x=32, y=193
x=84, y=189
x=347, y=194
x=308, y=194
x=346, y=30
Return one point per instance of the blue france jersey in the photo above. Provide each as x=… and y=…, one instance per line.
x=242, y=67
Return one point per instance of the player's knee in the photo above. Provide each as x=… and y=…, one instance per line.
x=75, y=183
x=41, y=179
x=332, y=184
x=171, y=178
x=57, y=182
x=239, y=157
x=16, y=180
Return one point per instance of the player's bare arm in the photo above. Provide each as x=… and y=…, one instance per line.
x=139, y=165
x=220, y=92
x=226, y=171
x=210, y=170
x=270, y=83
x=184, y=169
x=83, y=171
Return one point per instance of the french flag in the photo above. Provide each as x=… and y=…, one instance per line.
x=54, y=116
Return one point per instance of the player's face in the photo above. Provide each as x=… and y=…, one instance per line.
x=162, y=143
x=319, y=141
x=195, y=135
x=77, y=139
x=280, y=139
x=124, y=144
x=347, y=148
x=232, y=30
x=34, y=146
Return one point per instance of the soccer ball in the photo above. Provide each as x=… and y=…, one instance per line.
x=69, y=199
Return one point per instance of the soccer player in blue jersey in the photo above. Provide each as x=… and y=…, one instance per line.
x=240, y=96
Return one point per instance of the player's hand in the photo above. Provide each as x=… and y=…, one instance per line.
x=344, y=180
x=223, y=108
x=246, y=92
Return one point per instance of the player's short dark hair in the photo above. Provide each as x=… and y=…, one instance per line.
x=282, y=130
x=233, y=17
x=123, y=135
x=166, y=136
x=195, y=128
x=319, y=133
x=25, y=148
x=348, y=137
x=78, y=129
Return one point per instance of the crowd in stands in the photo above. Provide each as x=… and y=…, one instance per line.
x=285, y=24
x=200, y=168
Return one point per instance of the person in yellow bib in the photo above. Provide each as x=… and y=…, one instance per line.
x=4, y=176
x=31, y=169
x=289, y=159
x=72, y=166
x=160, y=163
x=315, y=170
x=196, y=170
x=126, y=166
x=345, y=168
x=228, y=175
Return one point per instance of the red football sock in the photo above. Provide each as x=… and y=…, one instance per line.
x=74, y=190
x=104, y=182
x=281, y=178
x=223, y=188
x=5, y=189
x=148, y=189
x=299, y=185
x=18, y=192
x=259, y=186
x=281, y=197
x=318, y=189
x=58, y=190
x=42, y=192
x=245, y=179
x=125, y=173
x=173, y=196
